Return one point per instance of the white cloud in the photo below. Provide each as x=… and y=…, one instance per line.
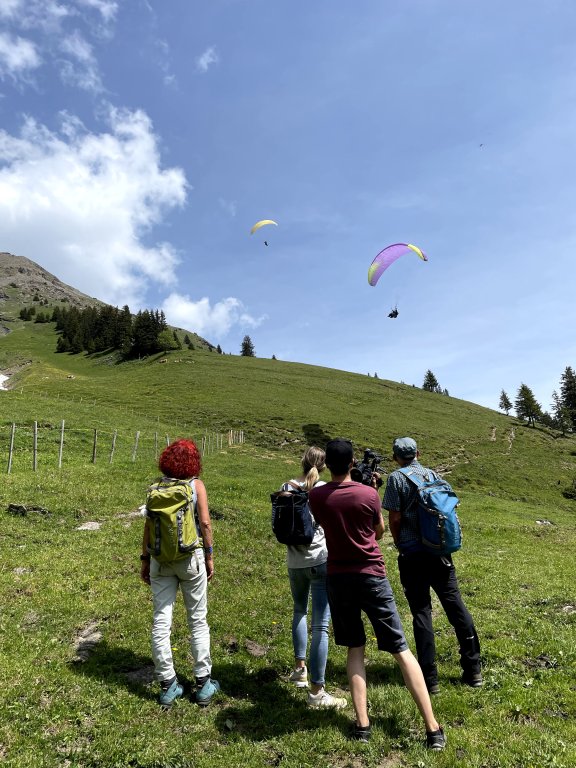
x=204, y=319
x=206, y=59
x=44, y=15
x=55, y=25
x=107, y=8
x=80, y=203
x=229, y=206
x=9, y=8
x=17, y=56
x=83, y=71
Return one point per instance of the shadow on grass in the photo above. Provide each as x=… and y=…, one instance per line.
x=118, y=666
x=254, y=704
x=264, y=707
x=315, y=435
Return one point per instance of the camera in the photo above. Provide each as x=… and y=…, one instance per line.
x=363, y=470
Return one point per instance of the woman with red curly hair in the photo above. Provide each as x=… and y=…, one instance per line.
x=191, y=573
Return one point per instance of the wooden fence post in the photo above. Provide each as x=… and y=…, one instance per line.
x=94, y=446
x=35, y=448
x=61, y=448
x=135, y=446
x=12, y=433
x=113, y=445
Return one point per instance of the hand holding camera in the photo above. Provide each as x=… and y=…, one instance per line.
x=368, y=470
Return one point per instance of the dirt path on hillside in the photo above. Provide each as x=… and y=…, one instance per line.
x=451, y=463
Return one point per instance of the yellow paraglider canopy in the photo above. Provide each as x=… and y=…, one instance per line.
x=262, y=223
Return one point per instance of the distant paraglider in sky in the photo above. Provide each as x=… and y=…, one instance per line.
x=388, y=256
x=262, y=223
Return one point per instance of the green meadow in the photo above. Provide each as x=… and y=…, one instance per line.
x=75, y=664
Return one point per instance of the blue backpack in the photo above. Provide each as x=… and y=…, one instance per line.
x=440, y=530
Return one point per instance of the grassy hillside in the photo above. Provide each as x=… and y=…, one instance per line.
x=59, y=582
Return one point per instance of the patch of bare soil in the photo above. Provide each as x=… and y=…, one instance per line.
x=85, y=640
x=254, y=649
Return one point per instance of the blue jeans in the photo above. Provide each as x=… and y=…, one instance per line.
x=302, y=582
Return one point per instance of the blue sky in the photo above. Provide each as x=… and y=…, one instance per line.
x=141, y=140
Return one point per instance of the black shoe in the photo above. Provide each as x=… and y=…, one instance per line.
x=474, y=681
x=433, y=688
x=361, y=732
x=435, y=740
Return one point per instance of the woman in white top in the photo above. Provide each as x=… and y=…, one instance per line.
x=307, y=573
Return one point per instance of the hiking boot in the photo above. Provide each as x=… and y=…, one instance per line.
x=299, y=677
x=435, y=740
x=206, y=692
x=474, y=681
x=324, y=699
x=170, y=692
x=361, y=733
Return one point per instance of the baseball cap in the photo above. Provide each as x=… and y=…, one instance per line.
x=404, y=448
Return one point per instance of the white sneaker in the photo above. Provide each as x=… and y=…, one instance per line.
x=299, y=676
x=325, y=699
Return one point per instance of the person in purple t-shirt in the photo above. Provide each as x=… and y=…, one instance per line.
x=352, y=520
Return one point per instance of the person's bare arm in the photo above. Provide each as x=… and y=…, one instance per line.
x=380, y=527
x=394, y=517
x=205, y=526
x=145, y=563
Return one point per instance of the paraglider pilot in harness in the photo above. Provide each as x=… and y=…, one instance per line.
x=393, y=313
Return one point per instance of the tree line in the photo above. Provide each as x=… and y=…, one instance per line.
x=96, y=329
x=562, y=415
x=563, y=412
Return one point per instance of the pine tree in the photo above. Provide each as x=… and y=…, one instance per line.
x=247, y=348
x=505, y=403
x=166, y=341
x=431, y=382
x=568, y=393
x=177, y=340
x=526, y=405
x=562, y=416
x=219, y=349
x=62, y=345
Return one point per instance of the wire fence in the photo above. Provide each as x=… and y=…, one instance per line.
x=29, y=446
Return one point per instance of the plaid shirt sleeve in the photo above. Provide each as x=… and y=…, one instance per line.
x=392, y=499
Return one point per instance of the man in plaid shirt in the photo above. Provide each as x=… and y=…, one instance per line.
x=421, y=571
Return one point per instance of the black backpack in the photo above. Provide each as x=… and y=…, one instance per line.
x=292, y=522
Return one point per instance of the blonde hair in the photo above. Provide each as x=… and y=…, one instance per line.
x=313, y=462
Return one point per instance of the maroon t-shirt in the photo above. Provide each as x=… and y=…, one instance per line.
x=349, y=513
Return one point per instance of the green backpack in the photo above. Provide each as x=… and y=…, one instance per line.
x=171, y=511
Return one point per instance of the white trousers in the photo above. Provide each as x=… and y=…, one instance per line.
x=190, y=575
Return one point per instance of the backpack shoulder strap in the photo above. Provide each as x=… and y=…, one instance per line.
x=409, y=474
x=295, y=486
x=192, y=485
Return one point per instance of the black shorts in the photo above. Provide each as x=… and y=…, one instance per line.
x=351, y=593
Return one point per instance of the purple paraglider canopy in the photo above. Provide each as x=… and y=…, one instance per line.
x=388, y=256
